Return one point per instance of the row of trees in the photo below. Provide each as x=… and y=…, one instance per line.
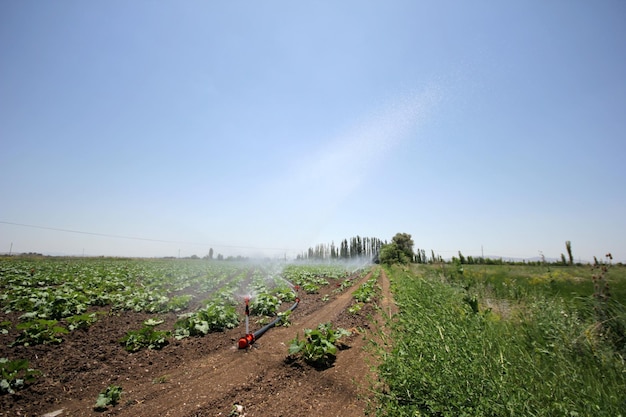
x=354, y=248
x=399, y=250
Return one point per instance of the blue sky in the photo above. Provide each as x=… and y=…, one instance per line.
x=266, y=128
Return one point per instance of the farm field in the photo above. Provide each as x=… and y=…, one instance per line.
x=443, y=339
x=165, y=332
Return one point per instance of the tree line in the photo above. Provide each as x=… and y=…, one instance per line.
x=354, y=248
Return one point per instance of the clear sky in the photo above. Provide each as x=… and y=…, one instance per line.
x=264, y=128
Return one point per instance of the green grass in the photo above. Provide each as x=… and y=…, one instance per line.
x=550, y=279
x=532, y=353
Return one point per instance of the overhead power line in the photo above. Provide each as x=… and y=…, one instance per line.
x=57, y=229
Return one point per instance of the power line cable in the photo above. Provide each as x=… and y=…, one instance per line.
x=135, y=238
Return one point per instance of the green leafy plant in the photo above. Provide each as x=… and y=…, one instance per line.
x=319, y=346
x=264, y=305
x=179, y=303
x=65, y=305
x=153, y=322
x=81, y=321
x=310, y=288
x=146, y=337
x=15, y=374
x=366, y=292
x=346, y=283
x=285, y=294
x=284, y=318
x=110, y=396
x=355, y=308
x=5, y=326
x=214, y=317
x=39, y=331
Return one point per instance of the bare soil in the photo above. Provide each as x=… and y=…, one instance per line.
x=206, y=376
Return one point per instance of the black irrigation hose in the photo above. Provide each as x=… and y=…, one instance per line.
x=250, y=338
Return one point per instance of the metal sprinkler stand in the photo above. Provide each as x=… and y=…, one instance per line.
x=247, y=314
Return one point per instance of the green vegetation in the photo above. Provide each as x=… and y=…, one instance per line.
x=57, y=296
x=110, y=396
x=366, y=292
x=311, y=277
x=319, y=346
x=39, y=331
x=264, y=305
x=285, y=320
x=163, y=379
x=81, y=321
x=504, y=340
x=15, y=375
x=146, y=337
x=400, y=250
x=214, y=317
x=5, y=326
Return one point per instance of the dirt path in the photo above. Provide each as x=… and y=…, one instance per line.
x=388, y=306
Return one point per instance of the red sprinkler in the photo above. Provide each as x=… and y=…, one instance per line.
x=250, y=338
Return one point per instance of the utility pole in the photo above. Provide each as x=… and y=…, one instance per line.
x=11, y=249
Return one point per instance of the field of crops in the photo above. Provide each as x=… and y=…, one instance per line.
x=58, y=314
x=502, y=340
x=44, y=299
x=506, y=340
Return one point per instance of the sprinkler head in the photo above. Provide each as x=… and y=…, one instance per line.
x=246, y=341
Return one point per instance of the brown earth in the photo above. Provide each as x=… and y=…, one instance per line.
x=206, y=376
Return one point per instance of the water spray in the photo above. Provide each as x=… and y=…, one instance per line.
x=250, y=338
